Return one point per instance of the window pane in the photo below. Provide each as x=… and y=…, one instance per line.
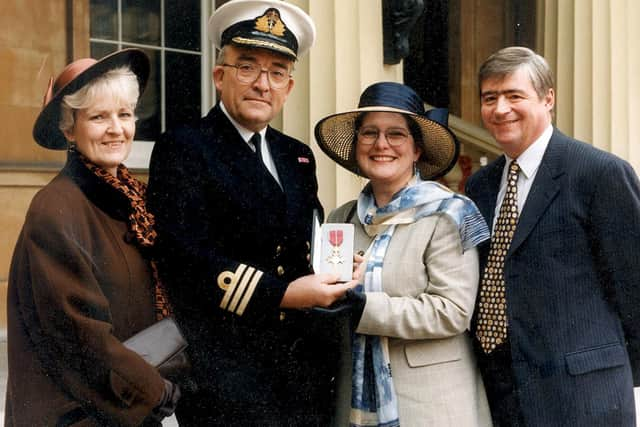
x=445, y=55
x=182, y=88
x=182, y=27
x=148, y=111
x=104, y=19
x=141, y=21
x=426, y=69
x=98, y=50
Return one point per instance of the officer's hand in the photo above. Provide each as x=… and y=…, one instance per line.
x=315, y=290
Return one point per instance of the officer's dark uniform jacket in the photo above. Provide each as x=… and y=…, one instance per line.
x=230, y=241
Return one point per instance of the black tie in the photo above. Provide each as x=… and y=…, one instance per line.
x=256, y=139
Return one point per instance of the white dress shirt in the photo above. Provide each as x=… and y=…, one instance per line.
x=529, y=162
x=246, y=134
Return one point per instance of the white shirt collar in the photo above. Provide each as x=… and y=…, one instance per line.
x=530, y=159
x=245, y=133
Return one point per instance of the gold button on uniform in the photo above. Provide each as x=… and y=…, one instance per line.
x=280, y=270
x=278, y=249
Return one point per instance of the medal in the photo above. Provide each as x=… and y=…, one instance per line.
x=335, y=239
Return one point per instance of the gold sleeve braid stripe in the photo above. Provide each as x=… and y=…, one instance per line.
x=238, y=287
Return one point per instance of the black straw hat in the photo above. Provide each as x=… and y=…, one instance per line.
x=74, y=76
x=336, y=133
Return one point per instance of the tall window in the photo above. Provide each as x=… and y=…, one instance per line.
x=170, y=32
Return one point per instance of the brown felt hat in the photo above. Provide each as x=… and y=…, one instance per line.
x=73, y=77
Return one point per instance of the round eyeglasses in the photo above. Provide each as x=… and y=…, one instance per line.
x=247, y=72
x=394, y=136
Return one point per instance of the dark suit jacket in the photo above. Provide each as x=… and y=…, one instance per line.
x=573, y=286
x=230, y=241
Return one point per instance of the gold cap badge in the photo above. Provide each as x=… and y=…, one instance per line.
x=271, y=23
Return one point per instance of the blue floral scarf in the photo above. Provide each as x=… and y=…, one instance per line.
x=373, y=398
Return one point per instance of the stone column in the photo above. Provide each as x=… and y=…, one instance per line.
x=593, y=47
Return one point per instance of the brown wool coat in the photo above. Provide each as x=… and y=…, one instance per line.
x=76, y=290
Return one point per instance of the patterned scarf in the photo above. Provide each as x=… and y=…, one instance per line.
x=373, y=399
x=141, y=223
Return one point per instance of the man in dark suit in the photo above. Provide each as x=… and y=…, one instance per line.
x=233, y=201
x=558, y=314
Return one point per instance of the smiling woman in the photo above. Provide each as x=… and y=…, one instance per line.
x=419, y=242
x=386, y=153
x=99, y=119
x=82, y=280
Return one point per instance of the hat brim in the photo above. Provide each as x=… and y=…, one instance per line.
x=335, y=135
x=46, y=131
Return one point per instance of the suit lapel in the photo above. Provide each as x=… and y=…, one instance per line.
x=487, y=200
x=281, y=155
x=248, y=175
x=544, y=189
x=296, y=173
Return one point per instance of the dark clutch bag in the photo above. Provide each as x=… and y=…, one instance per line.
x=163, y=346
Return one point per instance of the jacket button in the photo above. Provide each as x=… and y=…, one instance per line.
x=280, y=270
x=308, y=245
x=278, y=249
x=282, y=316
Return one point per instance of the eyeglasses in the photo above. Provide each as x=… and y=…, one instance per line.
x=394, y=136
x=246, y=72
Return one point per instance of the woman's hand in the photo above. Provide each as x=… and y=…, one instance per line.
x=168, y=402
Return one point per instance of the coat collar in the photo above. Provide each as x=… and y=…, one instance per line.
x=241, y=158
x=226, y=148
x=101, y=194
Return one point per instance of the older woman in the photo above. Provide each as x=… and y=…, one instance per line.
x=421, y=274
x=80, y=281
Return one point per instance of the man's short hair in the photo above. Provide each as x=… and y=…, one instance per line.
x=510, y=59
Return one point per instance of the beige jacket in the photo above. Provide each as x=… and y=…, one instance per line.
x=430, y=287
